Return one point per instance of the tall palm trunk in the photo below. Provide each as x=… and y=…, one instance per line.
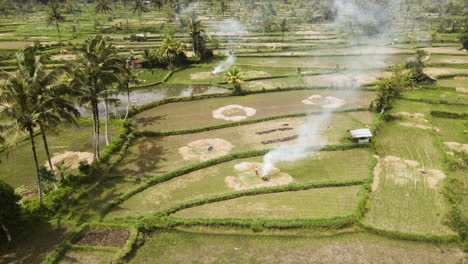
x=46, y=147
x=98, y=131
x=128, y=101
x=106, y=122
x=60, y=35
x=33, y=147
x=7, y=233
x=95, y=110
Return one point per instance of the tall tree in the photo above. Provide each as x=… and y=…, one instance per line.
x=47, y=88
x=283, y=28
x=97, y=70
x=139, y=7
x=198, y=39
x=103, y=6
x=172, y=48
x=234, y=77
x=127, y=77
x=11, y=210
x=54, y=16
x=17, y=104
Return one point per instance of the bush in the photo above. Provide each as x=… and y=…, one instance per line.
x=10, y=213
x=464, y=40
x=389, y=89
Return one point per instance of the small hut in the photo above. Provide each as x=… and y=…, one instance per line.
x=136, y=64
x=362, y=135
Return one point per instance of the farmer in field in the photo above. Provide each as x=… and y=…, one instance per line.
x=257, y=171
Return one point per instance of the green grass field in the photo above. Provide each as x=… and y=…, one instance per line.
x=181, y=247
x=194, y=114
x=414, y=188
x=327, y=166
x=17, y=165
x=314, y=203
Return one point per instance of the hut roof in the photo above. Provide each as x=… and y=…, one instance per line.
x=361, y=133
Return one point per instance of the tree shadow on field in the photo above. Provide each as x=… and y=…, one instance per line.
x=149, y=121
x=37, y=239
x=146, y=159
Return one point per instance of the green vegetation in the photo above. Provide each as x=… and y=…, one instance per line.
x=176, y=246
x=219, y=131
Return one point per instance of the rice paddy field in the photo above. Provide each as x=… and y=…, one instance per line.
x=196, y=174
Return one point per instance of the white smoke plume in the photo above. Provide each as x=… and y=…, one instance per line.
x=226, y=64
x=309, y=135
x=374, y=23
x=232, y=28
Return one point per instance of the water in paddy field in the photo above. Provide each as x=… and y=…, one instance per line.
x=150, y=94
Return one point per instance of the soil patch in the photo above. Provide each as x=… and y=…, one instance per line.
x=439, y=71
x=324, y=102
x=420, y=126
x=462, y=90
x=205, y=149
x=233, y=112
x=104, y=237
x=273, y=130
x=204, y=75
x=345, y=79
x=249, y=177
x=285, y=139
x=72, y=159
x=265, y=84
x=404, y=171
x=253, y=74
x=457, y=146
x=418, y=116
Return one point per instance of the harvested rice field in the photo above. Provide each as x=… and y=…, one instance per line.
x=176, y=116
x=176, y=247
x=179, y=131
x=314, y=203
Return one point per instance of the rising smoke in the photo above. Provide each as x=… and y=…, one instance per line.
x=232, y=28
x=370, y=21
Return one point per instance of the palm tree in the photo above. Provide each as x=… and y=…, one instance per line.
x=196, y=33
x=171, y=47
x=159, y=4
x=139, y=8
x=234, y=77
x=97, y=70
x=55, y=16
x=17, y=104
x=48, y=91
x=103, y=6
x=283, y=28
x=127, y=77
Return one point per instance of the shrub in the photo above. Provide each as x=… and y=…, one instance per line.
x=10, y=213
x=464, y=40
x=389, y=89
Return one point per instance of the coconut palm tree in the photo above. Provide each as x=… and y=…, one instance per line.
x=127, y=77
x=54, y=16
x=234, y=77
x=171, y=47
x=139, y=7
x=283, y=28
x=17, y=104
x=196, y=33
x=103, y=6
x=96, y=71
x=47, y=90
